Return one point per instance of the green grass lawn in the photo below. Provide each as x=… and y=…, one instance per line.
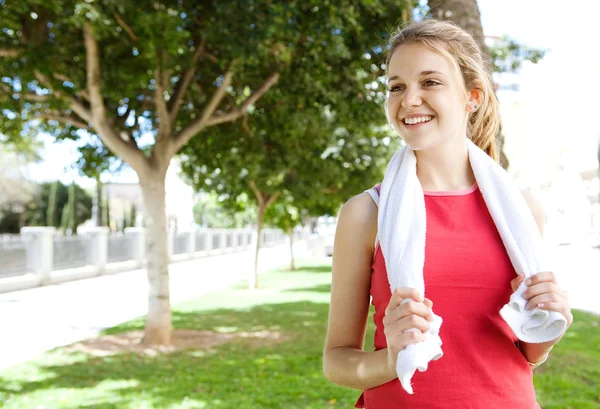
x=245, y=373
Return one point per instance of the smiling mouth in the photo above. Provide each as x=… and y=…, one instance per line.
x=417, y=121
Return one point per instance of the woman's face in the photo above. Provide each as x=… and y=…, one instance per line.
x=425, y=90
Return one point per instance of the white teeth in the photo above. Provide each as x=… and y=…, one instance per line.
x=412, y=121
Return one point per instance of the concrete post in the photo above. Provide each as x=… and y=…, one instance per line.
x=192, y=243
x=138, y=244
x=40, y=251
x=223, y=240
x=208, y=241
x=98, y=250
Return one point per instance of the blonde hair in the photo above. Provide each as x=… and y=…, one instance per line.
x=451, y=41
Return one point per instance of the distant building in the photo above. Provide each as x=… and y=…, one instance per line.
x=179, y=200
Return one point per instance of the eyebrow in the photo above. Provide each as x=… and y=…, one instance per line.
x=423, y=73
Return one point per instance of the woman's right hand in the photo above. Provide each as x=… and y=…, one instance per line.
x=400, y=317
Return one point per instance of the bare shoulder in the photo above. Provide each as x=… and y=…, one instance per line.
x=359, y=217
x=536, y=208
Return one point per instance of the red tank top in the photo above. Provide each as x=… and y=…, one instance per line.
x=467, y=276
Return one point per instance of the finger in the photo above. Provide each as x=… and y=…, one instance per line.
x=541, y=288
x=400, y=341
x=544, y=276
x=409, y=308
x=428, y=303
x=410, y=322
x=558, y=307
x=400, y=294
x=545, y=298
x=516, y=282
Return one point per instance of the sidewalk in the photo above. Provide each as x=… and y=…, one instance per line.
x=36, y=320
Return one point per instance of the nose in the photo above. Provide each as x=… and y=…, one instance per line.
x=412, y=98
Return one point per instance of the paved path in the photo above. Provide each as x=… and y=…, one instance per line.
x=36, y=320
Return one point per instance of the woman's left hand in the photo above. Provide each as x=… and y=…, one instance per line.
x=544, y=293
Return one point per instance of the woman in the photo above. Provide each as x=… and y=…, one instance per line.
x=439, y=94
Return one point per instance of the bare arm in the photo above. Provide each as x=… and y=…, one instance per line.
x=344, y=361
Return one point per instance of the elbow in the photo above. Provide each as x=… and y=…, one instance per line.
x=327, y=367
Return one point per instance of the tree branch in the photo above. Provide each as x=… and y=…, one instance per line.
x=184, y=82
x=8, y=53
x=75, y=104
x=272, y=199
x=164, y=126
x=236, y=113
x=126, y=149
x=208, y=120
x=197, y=125
x=125, y=27
x=257, y=193
x=36, y=97
x=68, y=120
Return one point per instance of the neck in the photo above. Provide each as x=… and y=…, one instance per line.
x=445, y=167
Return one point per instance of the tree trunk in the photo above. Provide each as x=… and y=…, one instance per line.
x=466, y=14
x=291, y=235
x=158, y=321
x=259, y=227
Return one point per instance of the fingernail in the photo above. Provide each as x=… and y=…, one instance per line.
x=528, y=282
x=540, y=305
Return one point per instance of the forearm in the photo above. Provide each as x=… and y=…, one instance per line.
x=357, y=369
x=535, y=352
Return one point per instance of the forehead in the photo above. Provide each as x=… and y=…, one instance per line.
x=410, y=60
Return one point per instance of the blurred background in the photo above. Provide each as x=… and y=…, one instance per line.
x=171, y=174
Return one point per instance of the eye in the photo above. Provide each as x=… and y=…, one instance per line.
x=430, y=83
x=395, y=88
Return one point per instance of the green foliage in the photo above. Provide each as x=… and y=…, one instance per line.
x=283, y=214
x=132, y=215
x=51, y=211
x=210, y=212
x=68, y=214
x=76, y=201
x=508, y=55
x=106, y=211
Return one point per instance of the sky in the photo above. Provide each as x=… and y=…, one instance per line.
x=559, y=99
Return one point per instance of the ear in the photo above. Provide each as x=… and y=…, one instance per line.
x=474, y=98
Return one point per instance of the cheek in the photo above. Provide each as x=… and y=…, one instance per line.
x=391, y=109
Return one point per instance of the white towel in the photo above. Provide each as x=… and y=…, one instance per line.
x=402, y=225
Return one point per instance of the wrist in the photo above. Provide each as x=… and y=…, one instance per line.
x=391, y=364
x=535, y=354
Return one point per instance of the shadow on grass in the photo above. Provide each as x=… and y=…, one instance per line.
x=323, y=288
x=240, y=374
x=316, y=269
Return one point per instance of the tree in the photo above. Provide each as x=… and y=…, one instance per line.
x=37, y=209
x=285, y=216
x=166, y=70
x=68, y=214
x=51, y=211
x=302, y=153
x=508, y=55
